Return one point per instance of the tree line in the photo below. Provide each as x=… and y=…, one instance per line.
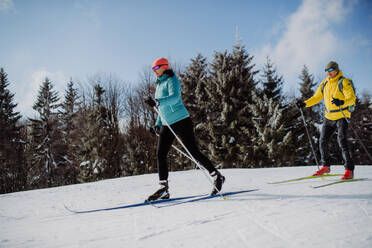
x=99, y=129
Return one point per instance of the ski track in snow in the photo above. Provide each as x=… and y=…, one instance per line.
x=280, y=215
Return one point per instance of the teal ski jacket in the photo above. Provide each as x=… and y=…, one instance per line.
x=168, y=93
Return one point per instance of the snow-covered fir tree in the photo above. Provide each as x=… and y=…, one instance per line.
x=94, y=163
x=304, y=154
x=273, y=138
x=47, y=150
x=139, y=152
x=12, y=164
x=360, y=130
x=193, y=83
x=272, y=83
x=72, y=133
x=101, y=142
x=228, y=123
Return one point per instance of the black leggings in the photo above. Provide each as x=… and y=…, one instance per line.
x=184, y=130
x=328, y=128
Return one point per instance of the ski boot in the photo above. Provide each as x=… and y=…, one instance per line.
x=349, y=174
x=324, y=170
x=218, y=181
x=161, y=193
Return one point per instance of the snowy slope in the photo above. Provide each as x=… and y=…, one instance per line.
x=286, y=215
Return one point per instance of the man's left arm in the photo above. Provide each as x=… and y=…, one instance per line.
x=348, y=92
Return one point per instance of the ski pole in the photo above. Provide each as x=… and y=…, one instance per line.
x=356, y=134
x=308, y=135
x=179, y=150
x=188, y=152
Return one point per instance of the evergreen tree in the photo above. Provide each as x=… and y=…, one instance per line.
x=360, y=130
x=272, y=142
x=12, y=162
x=139, y=151
x=273, y=121
x=71, y=133
x=312, y=117
x=47, y=150
x=102, y=152
x=307, y=90
x=271, y=82
x=193, y=82
x=94, y=163
x=228, y=121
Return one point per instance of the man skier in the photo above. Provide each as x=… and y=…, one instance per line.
x=339, y=100
x=169, y=103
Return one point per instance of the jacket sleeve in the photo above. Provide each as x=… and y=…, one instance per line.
x=317, y=97
x=174, y=90
x=348, y=92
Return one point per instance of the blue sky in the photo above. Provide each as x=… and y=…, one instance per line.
x=79, y=38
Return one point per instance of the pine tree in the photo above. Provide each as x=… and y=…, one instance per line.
x=72, y=133
x=307, y=90
x=94, y=163
x=139, y=151
x=228, y=121
x=102, y=142
x=47, y=151
x=271, y=82
x=272, y=142
x=272, y=121
x=360, y=130
x=312, y=117
x=193, y=81
x=12, y=163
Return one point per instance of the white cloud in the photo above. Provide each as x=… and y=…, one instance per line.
x=6, y=4
x=29, y=91
x=308, y=38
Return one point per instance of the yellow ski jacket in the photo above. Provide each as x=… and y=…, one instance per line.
x=330, y=91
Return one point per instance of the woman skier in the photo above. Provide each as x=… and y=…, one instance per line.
x=169, y=103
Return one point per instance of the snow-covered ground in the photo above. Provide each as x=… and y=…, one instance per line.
x=258, y=215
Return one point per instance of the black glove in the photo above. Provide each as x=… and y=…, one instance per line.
x=299, y=103
x=151, y=102
x=155, y=129
x=337, y=102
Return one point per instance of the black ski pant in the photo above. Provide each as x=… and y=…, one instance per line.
x=185, y=131
x=328, y=128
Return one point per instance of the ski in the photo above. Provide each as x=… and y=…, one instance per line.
x=205, y=198
x=131, y=205
x=304, y=178
x=161, y=203
x=339, y=181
